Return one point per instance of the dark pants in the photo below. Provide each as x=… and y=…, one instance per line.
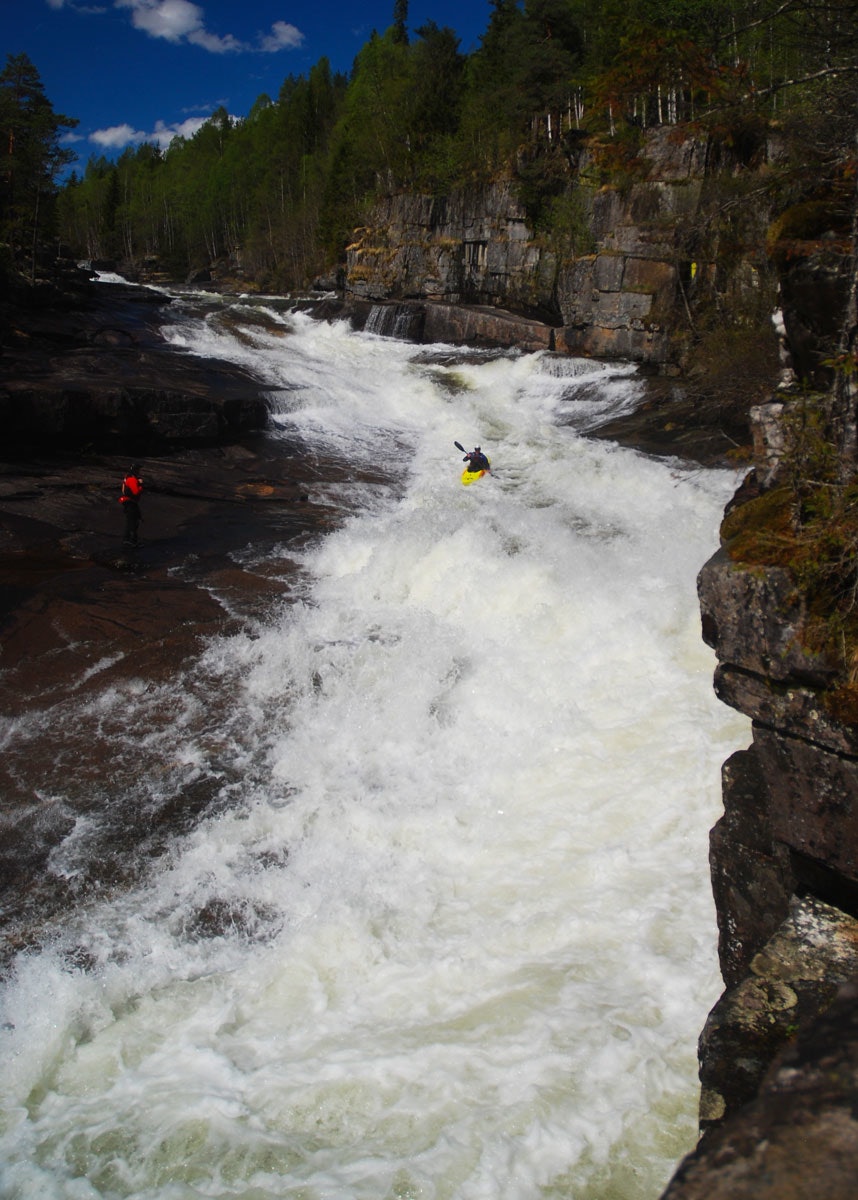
x=132, y=520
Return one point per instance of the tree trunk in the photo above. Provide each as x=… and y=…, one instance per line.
x=35, y=235
x=846, y=387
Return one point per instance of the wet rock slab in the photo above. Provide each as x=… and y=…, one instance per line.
x=670, y=423
x=81, y=615
x=74, y=594
x=85, y=365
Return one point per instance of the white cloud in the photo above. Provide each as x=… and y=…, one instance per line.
x=183, y=21
x=76, y=7
x=211, y=41
x=283, y=36
x=172, y=20
x=208, y=108
x=176, y=21
x=164, y=134
x=117, y=136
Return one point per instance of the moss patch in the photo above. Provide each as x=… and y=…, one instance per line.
x=814, y=536
x=761, y=532
x=842, y=703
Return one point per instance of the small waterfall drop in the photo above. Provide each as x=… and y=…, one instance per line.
x=404, y=321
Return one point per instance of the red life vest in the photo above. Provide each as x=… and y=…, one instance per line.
x=130, y=484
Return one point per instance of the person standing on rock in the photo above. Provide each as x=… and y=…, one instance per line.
x=132, y=489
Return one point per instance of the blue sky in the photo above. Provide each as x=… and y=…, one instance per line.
x=143, y=70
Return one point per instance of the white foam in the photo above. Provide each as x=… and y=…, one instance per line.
x=454, y=935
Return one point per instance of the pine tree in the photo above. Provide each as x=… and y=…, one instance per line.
x=31, y=157
x=400, y=19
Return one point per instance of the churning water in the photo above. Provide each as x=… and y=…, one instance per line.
x=449, y=935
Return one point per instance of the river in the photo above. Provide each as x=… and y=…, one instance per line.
x=447, y=932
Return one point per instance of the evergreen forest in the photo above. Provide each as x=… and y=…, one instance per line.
x=281, y=189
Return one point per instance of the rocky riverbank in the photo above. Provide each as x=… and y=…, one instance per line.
x=68, y=583
x=81, y=614
x=83, y=365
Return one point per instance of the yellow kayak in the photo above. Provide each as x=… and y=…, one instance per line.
x=472, y=476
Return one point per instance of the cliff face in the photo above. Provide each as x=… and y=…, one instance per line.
x=778, y=1054
x=798, y=1139
x=619, y=283
x=784, y=857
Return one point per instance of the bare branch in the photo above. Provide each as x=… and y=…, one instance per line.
x=845, y=69
x=788, y=7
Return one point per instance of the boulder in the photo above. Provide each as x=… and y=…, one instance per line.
x=798, y=1138
x=791, y=980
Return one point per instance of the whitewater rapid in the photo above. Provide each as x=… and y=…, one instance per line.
x=449, y=935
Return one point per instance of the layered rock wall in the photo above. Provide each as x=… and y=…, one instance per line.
x=778, y=1054
x=473, y=246
x=620, y=291
x=798, y=1138
x=789, y=833
x=779, y=1071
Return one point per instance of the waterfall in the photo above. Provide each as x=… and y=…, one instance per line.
x=403, y=321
